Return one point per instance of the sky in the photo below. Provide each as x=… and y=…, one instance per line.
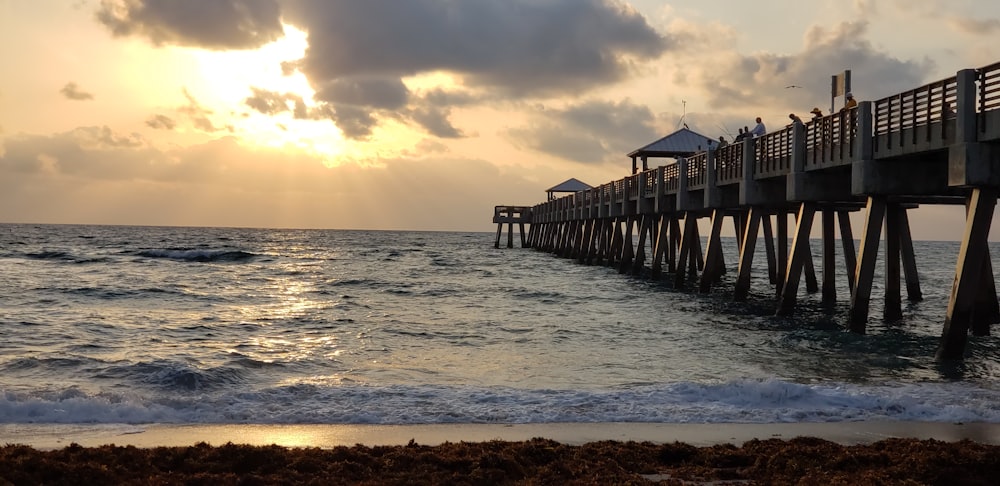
x=418, y=114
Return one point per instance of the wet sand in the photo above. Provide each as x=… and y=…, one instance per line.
x=828, y=453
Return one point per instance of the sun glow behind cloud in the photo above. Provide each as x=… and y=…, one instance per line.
x=227, y=78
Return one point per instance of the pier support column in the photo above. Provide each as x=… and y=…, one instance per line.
x=772, y=264
x=713, y=253
x=686, y=253
x=628, y=250
x=645, y=227
x=660, y=247
x=986, y=309
x=829, y=259
x=749, y=241
x=676, y=236
x=800, y=252
x=782, y=251
x=850, y=256
x=865, y=275
x=968, y=272
x=893, y=309
x=913, y=293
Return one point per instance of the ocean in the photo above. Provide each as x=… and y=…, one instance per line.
x=147, y=325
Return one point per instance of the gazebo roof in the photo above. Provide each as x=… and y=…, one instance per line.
x=682, y=143
x=570, y=185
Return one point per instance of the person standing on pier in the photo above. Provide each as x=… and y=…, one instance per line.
x=722, y=141
x=849, y=102
x=758, y=130
x=795, y=118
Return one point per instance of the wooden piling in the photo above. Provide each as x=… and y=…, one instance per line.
x=982, y=203
x=847, y=240
x=800, y=252
x=749, y=241
x=893, y=308
x=858, y=314
x=713, y=259
x=829, y=258
x=913, y=293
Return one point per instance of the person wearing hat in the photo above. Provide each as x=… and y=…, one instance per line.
x=816, y=113
x=850, y=102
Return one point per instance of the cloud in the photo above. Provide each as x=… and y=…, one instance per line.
x=273, y=103
x=198, y=115
x=360, y=52
x=589, y=132
x=211, y=24
x=975, y=26
x=518, y=46
x=73, y=92
x=759, y=79
x=161, y=122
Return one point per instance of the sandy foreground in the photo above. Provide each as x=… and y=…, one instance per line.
x=593, y=453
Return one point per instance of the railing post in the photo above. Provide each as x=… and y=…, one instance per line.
x=661, y=200
x=969, y=162
x=965, y=99
x=713, y=196
x=682, y=184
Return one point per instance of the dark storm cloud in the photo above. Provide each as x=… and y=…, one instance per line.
x=73, y=92
x=212, y=24
x=375, y=92
x=520, y=46
x=161, y=122
x=589, y=132
x=272, y=103
x=436, y=122
x=762, y=78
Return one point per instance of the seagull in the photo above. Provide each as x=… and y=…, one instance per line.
x=792, y=86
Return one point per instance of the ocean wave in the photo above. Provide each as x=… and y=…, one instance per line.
x=200, y=256
x=346, y=402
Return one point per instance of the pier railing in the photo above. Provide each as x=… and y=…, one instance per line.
x=773, y=153
x=916, y=119
x=919, y=120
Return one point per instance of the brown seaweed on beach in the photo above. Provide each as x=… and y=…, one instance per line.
x=538, y=461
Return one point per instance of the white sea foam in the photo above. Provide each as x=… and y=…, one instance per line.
x=744, y=401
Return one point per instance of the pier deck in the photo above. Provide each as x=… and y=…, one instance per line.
x=935, y=144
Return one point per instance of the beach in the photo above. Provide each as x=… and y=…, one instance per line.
x=607, y=453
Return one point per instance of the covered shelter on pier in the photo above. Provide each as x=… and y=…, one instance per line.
x=570, y=185
x=682, y=143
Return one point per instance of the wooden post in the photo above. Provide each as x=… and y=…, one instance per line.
x=800, y=251
x=829, y=259
x=968, y=271
x=782, y=251
x=695, y=256
x=746, y=255
x=628, y=252
x=913, y=292
x=675, y=243
x=660, y=247
x=772, y=265
x=893, y=310
x=510, y=235
x=712, y=260
x=812, y=286
x=986, y=309
x=524, y=240
x=858, y=315
x=687, y=241
x=847, y=239
x=640, y=257
x=499, y=230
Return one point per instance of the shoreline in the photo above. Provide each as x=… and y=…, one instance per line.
x=327, y=436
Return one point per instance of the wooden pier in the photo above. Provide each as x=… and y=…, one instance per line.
x=935, y=144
